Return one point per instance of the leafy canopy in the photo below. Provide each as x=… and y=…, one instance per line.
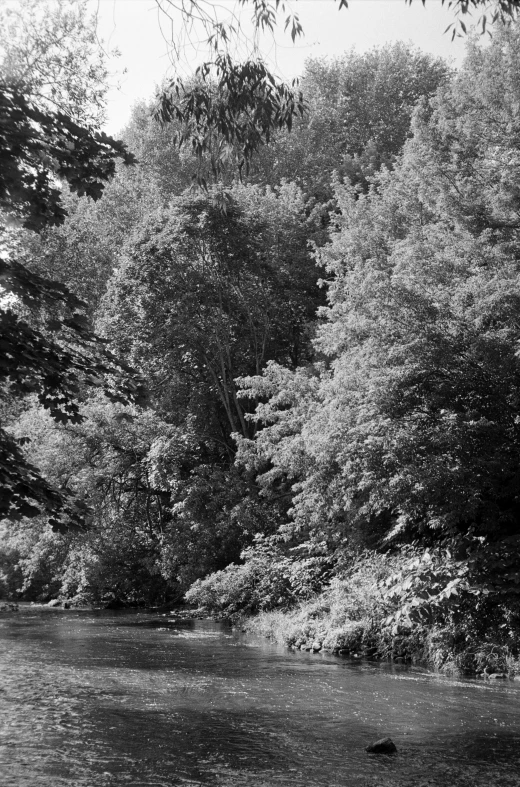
x=236, y=102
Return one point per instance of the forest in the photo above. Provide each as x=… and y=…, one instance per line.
x=286, y=393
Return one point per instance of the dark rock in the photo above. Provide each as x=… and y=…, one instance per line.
x=383, y=746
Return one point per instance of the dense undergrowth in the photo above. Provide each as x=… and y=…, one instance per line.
x=359, y=614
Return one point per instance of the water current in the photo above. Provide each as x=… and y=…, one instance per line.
x=98, y=699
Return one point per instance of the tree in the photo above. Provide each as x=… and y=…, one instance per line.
x=121, y=461
x=231, y=117
x=51, y=54
x=410, y=432
x=204, y=296
x=359, y=111
x=47, y=347
x=83, y=252
x=237, y=103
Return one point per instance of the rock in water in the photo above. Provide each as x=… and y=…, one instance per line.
x=383, y=746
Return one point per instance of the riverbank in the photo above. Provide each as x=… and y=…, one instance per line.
x=418, y=607
x=326, y=624
x=350, y=617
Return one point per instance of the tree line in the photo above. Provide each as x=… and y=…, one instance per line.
x=274, y=375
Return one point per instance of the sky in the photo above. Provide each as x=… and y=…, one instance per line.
x=143, y=37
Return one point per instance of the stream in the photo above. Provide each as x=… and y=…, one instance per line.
x=99, y=698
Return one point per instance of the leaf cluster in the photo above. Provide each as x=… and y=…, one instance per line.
x=231, y=111
x=39, y=148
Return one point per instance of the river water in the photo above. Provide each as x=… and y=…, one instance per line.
x=102, y=699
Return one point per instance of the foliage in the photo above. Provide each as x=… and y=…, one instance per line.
x=502, y=12
x=52, y=55
x=359, y=109
x=203, y=296
x=408, y=433
x=475, y=589
x=83, y=252
x=349, y=616
x=33, y=361
x=171, y=169
x=116, y=461
x=281, y=442
x=358, y=115
x=36, y=147
x=232, y=118
x=346, y=615
x=413, y=431
x=47, y=346
x=269, y=578
x=31, y=560
x=158, y=516
x=215, y=512
x=249, y=104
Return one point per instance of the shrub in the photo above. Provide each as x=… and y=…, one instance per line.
x=348, y=614
x=268, y=579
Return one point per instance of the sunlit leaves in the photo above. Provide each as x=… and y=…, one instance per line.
x=50, y=49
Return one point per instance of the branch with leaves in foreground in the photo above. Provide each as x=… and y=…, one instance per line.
x=230, y=112
x=38, y=149
x=46, y=346
x=56, y=363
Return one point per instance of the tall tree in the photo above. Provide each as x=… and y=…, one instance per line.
x=51, y=53
x=203, y=295
x=47, y=347
x=359, y=110
x=412, y=431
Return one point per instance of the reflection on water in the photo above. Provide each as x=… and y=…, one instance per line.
x=101, y=699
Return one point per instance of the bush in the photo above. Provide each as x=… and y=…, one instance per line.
x=268, y=579
x=352, y=614
x=347, y=615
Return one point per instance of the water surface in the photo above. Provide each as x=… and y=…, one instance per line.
x=103, y=699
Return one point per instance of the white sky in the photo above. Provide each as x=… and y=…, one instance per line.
x=132, y=26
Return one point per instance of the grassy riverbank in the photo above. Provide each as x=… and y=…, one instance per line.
x=350, y=617
x=421, y=608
